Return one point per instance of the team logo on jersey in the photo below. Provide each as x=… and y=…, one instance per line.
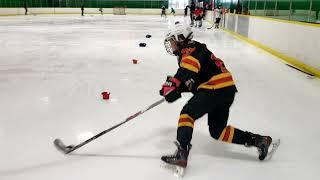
x=187, y=51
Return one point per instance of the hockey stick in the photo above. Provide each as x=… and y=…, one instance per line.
x=211, y=26
x=67, y=149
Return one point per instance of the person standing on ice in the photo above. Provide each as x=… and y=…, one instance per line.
x=186, y=10
x=82, y=10
x=25, y=6
x=218, y=14
x=163, y=11
x=203, y=74
x=192, y=9
x=198, y=13
x=173, y=11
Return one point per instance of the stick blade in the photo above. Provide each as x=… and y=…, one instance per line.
x=61, y=147
x=210, y=27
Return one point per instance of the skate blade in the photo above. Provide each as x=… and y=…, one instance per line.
x=274, y=146
x=178, y=171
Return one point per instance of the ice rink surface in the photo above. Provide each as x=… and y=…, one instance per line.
x=54, y=68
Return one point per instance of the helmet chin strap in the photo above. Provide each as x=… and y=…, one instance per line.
x=176, y=52
x=179, y=44
x=185, y=40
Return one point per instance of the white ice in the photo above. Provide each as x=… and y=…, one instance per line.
x=54, y=68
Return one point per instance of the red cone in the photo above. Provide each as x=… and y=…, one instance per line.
x=105, y=95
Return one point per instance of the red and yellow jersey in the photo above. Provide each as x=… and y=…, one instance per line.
x=207, y=71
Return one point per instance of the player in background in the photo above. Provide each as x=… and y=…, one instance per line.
x=82, y=10
x=173, y=11
x=198, y=13
x=163, y=11
x=192, y=9
x=218, y=15
x=205, y=75
x=25, y=6
x=186, y=11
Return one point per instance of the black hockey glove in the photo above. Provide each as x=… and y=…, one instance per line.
x=170, y=89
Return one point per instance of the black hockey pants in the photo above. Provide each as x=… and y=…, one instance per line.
x=216, y=105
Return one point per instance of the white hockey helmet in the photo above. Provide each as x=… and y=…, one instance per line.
x=178, y=33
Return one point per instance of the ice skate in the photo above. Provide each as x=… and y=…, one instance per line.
x=272, y=149
x=263, y=144
x=178, y=161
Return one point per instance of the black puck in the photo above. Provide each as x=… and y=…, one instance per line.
x=142, y=44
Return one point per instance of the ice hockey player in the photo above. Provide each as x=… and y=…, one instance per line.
x=186, y=10
x=198, y=13
x=163, y=11
x=25, y=6
x=203, y=74
x=173, y=12
x=82, y=10
x=218, y=14
x=192, y=8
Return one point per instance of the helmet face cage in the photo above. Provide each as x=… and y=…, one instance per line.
x=179, y=35
x=167, y=45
